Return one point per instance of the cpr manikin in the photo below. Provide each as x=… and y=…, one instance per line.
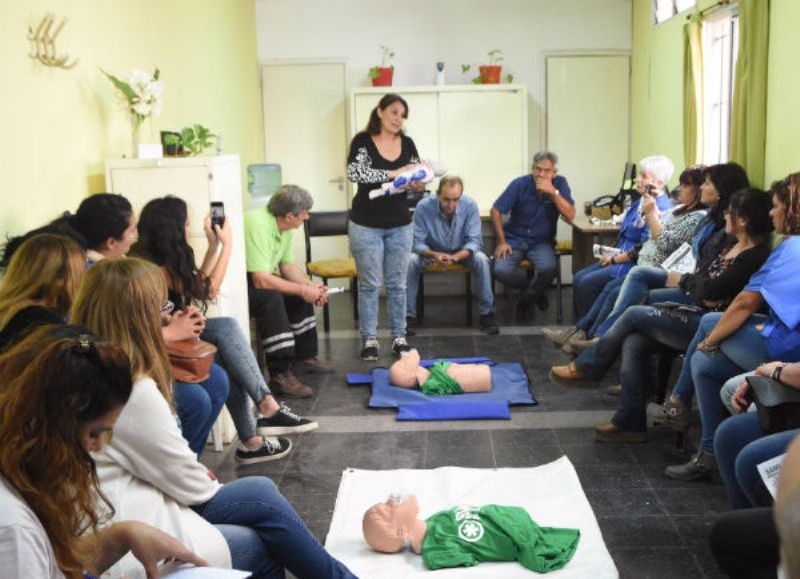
x=465, y=536
x=442, y=378
x=423, y=172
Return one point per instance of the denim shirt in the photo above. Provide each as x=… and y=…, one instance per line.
x=533, y=216
x=434, y=231
x=634, y=230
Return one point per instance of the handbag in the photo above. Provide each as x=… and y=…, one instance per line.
x=777, y=405
x=191, y=359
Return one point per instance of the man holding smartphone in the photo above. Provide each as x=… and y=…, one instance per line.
x=283, y=305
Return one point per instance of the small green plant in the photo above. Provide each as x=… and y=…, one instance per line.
x=495, y=57
x=197, y=139
x=387, y=54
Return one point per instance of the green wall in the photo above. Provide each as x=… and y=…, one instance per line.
x=657, y=84
x=59, y=126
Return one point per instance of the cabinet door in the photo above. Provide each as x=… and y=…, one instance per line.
x=481, y=139
x=141, y=184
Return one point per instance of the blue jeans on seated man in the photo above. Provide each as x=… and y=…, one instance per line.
x=481, y=273
x=541, y=254
x=381, y=256
x=740, y=445
x=743, y=350
x=247, y=385
x=632, y=291
x=199, y=405
x=265, y=534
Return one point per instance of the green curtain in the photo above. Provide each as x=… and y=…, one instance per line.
x=749, y=109
x=692, y=90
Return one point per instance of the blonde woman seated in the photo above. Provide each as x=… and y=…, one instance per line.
x=149, y=471
x=442, y=378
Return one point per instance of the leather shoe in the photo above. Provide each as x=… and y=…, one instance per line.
x=287, y=385
x=314, y=366
x=568, y=373
x=702, y=467
x=610, y=432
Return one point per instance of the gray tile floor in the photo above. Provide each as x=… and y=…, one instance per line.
x=654, y=527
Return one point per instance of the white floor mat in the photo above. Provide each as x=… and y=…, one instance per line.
x=551, y=493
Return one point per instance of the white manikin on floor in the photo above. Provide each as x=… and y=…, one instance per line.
x=551, y=494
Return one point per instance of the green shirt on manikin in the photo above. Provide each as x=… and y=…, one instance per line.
x=439, y=381
x=466, y=536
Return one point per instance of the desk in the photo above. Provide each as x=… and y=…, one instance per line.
x=584, y=234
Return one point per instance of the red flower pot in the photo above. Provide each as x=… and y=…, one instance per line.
x=490, y=74
x=383, y=76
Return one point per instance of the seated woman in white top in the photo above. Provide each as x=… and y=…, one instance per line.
x=61, y=392
x=148, y=470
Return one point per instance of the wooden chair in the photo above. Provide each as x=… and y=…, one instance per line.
x=330, y=224
x=441, y=268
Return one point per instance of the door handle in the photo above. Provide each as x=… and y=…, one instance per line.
x=339, y=181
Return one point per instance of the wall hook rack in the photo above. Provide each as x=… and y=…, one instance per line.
x=43, y=43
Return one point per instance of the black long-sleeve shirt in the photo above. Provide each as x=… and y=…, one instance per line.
x=722, y=279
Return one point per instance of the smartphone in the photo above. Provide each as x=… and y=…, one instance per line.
x=217, y=213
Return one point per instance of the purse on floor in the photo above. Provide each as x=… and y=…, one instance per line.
x=191, y=359
x=777, y=405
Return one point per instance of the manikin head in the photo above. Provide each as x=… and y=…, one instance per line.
x=388, y=525
x=405, y=372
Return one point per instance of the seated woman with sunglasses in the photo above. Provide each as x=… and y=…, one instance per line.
x=61, y=391
x=151, y=473
x=163, y=224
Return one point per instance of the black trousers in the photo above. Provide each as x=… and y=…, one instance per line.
x=286, y=324
x=745, y=544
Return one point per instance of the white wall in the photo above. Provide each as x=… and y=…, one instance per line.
x=422, y=32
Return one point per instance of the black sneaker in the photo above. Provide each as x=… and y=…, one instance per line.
x=369, y=353
x=487, y=325
x=399, y=345
x=411, y=326
x=274, y=448
x=284, y=421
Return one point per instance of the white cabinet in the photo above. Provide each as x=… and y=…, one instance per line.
x=480, y=132
x=198, y=181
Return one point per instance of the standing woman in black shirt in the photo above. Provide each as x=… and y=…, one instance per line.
x=381, y=231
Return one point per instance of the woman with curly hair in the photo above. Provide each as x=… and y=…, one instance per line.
x=39, y=284
x=61, y=391
x=151, y=473
x=163, y=229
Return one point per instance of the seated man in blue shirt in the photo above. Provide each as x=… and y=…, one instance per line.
x=447, y=229
x=535, y=202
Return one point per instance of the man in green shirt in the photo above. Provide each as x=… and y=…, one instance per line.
x=465, y=536
x=281, y=296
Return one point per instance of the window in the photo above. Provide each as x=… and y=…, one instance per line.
x=666, y=9
x=720, y=37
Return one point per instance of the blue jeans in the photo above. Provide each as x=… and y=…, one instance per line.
x=381, y=255
x=639, y=333
x=635, y=286
x=247, y=383
x=481, y=273
x=541, y=255
x=740, y=446
x=601, y=307
x=262, y=515
x=743, y=350
x=587, y=284
x=198, y=406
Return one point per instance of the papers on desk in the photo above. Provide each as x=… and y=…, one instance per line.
x=681, y=260
x=182, y=571
x=613, y=222
x=599, y=251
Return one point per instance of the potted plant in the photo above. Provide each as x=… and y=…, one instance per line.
x=382, y=75
x=489, y=73
x=197, y=139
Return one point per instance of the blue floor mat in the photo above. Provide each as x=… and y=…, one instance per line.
x=510, y=386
